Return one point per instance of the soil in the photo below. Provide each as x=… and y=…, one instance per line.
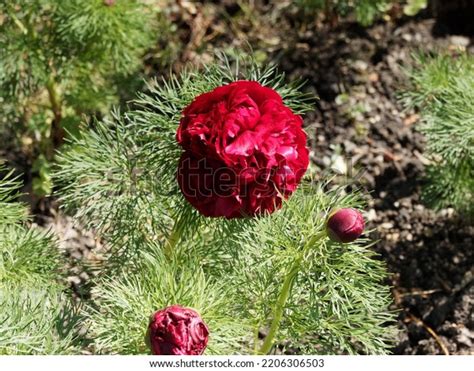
x=361, y=132
x=357, y=74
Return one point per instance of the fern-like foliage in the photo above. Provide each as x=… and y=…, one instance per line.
x=121, y=180
x=365, y=11
x=36, y=317
x=338, y=303
x=37, y=320
x=61, y=60
x=25, y=254
x=443, y=90
x=73, y=42
x=118, y=317
x=11, y=212
x=334, y=307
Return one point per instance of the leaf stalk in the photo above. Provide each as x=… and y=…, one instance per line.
x=285, y=294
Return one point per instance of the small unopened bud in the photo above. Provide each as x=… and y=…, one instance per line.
x=177, y=331
x=345, y=225
x=109, y=2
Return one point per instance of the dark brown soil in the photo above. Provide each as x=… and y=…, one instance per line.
x=356, y=73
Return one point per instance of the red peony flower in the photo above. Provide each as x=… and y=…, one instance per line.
x=244, y=151
x=177, y=331
x=345, y=225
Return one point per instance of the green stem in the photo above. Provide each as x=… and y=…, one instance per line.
x=57, y=131
x=53, y=96
x=285, y=293
x=19, y=23
x=255, y=339
x=173, y=239
x=280, y=305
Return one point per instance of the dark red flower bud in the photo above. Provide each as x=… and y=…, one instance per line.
x=177, y=331
x=345, y=225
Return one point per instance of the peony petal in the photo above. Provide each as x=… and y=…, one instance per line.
x=243, y=145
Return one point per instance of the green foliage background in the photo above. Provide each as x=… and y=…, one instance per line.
x=63, y=60
x=443, y=90
x=36, y=316
x=365, y=11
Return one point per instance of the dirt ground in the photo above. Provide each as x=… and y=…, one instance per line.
x=359, y=126
x=357, y=74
